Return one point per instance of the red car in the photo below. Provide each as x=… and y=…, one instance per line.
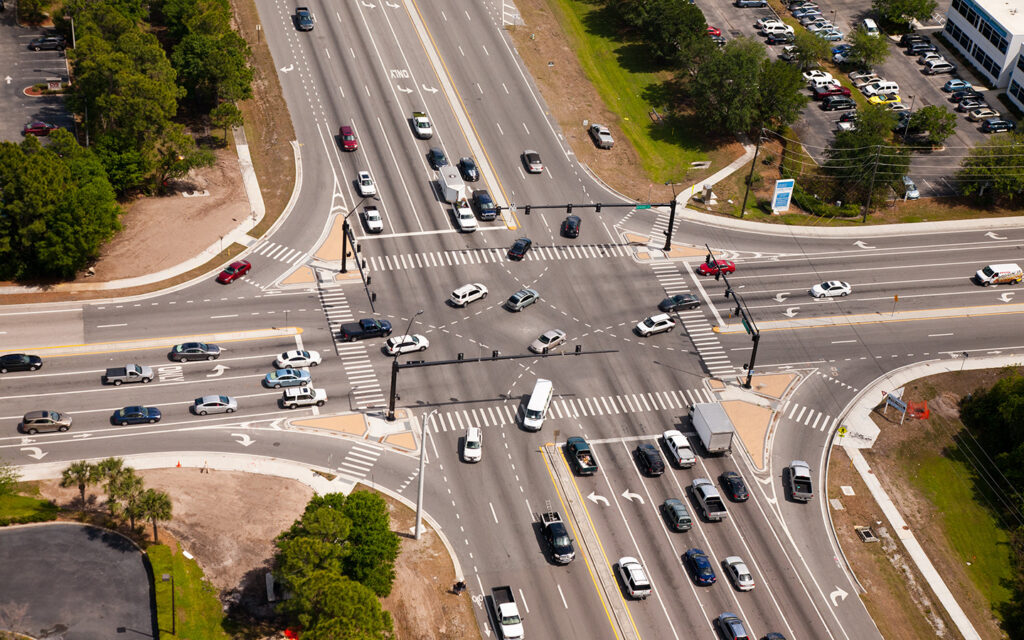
x=830, y=90
x=714, y=31
x=709, y=269
x=348, y=139
x=234, y=271
x=38, y=129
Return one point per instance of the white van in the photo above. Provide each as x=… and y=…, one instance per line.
x=880, y=88
x=941, y=65
x=473, y=448
x=870, y=27
x=537, y=408
x=999, y=274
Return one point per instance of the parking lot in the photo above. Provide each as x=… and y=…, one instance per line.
x=931, y=170
x=23, y=68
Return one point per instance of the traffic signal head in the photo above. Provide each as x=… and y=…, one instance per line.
x=597, y=207
x=568, y=208
x=527, y=209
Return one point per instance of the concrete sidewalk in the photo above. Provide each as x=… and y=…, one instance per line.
x=862, y=432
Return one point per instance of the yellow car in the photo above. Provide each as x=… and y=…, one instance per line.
x=891, y=98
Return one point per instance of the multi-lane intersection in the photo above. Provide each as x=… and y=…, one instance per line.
x=370, y=66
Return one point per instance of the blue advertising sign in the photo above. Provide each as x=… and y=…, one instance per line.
x=783, y=194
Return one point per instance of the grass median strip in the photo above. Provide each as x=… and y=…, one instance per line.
x=195, y=606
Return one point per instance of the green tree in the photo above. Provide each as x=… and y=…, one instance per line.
x=724, y=90
x=154, y=505
x=31, y=11
x=110, y=467
x=329, y=606
x=810, y=49
x=862, y=161
x=868, y=51
x=995, y=169
x=8, y=478
x=81, y=474
x=781, y=97
x=179, y=154
x=213, y=67
x=937, y=121
x=373, y=547
x=226, y=115
x=124, y=489
x=903, y=11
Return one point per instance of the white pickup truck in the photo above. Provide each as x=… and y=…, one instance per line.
x=128, y=373
x=507, y=612
x=464, y=216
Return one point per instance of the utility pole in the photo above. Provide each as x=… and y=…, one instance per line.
x=871, y=185
x=671, y=217
x=750, y=176
x=345, y=230
x=423, y=460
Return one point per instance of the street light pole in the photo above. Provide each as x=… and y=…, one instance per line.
x=390, y=417
x=671, y=217
x=345, y=231
x=423, y=460
x=907, y=128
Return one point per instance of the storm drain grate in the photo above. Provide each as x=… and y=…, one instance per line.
x=866, y=534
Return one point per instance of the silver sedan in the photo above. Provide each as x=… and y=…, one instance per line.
x=547, y=341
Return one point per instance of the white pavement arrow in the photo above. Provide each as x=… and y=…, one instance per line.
x=393, y=6
x=404, y=90
x=993, y=353
x=81, y=436
x=37, y=453
x=276, y=424
x=863, y=245
x=1006, y=297
x=593, y=497
x=629, y=496
x=781, y=297
x=837, y=596
x=791, y=311
x=430, y=89
x=287, y=69
x=217, y=371
x=245, y=439
x=369, y=6
x=7, y=79
x=995, y=236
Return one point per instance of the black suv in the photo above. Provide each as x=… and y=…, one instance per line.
x=994, y=125
x=468, y=170
x=485, y=204
x=838, y=103
x=909, y=38
x=649, y=459
x=917, y=48
x=571, y=227
x=49, y=43
x=781, y=38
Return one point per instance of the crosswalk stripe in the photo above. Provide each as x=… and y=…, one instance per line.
x=593, y=411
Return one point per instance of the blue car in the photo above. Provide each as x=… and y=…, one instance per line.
x=832, y=35
x=843, y=48
x=136, y=415
x=286, y=378
x=956, y=84
x=700, y=567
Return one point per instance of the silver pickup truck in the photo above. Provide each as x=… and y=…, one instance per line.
x=128, y=373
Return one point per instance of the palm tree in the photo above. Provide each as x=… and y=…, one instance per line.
x=123, y=492
x=80, y=473
x=154, y=505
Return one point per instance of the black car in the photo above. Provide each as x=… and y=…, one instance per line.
x=970, y=104
x=957, y=96
x=734, y=486
x=909, y=38
x=571, y=227
x=852, y=117
x=718, y=39
x=19, y=362
x=995, y=125
x=468, y=170
x=47, y=43
x=838, y=103
x=679, y=302
x=781, y=38
x=917, y=48
x=700, y=567
x=194, y=351
x=520, y=248
x=437, y=158
x=649, y=459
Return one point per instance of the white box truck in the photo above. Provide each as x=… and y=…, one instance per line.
x=450, y=182
x=713, y=426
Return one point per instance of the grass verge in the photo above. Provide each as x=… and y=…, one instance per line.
x=196, y=609
x=22, y=509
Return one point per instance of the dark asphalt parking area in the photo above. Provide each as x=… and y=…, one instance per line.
x=74, y=582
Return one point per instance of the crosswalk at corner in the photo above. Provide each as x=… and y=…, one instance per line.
x=802, y=414
x=365, y=387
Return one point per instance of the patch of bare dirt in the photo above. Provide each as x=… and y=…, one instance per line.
x=160, y=232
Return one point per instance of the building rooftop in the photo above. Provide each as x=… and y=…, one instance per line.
x=1009, y=13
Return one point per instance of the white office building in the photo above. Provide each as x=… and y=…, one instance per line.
x=989, y=33
x=1016, y=87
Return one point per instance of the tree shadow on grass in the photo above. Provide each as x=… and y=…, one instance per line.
x=676, y=123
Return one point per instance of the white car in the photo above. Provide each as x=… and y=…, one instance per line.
x=862, y=81
x=984, y=113
x=789, y=52
x=297, y=359
x=830, y=289
x=655, y=324
x=464, y=216
x=405, y=344
x=764, y=22
x=677, y=443
x=371, y=218
x=547, y=341
x=365, y=184
x=295, y=397
x=473, y=446
x=634, y=578
x=468, y=293
x=928, y=56
x=817, y=74
x=739, y=573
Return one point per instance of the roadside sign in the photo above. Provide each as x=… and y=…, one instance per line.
x=892, y=400
x=643, y=206
x=783, y=195
x=841, y=431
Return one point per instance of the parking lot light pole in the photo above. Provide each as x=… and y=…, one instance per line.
x=907, y=128
x=423, y=460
